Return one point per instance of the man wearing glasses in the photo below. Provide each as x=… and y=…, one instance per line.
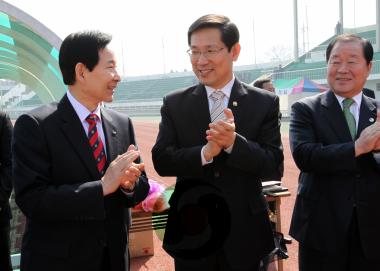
x=219, y=138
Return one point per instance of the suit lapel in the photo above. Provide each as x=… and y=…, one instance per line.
x=367, y=114
x=202, y=111
x=111, y=135
x=335, y=117
x=235, y=102
x=72, y=128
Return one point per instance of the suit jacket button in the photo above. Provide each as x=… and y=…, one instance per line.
x=358, y=175
x=216, y=174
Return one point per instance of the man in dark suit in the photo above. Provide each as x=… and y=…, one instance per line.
x=6, y=129
x=334, y=138
x=265, y=83
x=76, y=169
x=218, y=217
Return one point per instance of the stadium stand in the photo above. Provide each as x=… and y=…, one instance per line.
x=142, y=95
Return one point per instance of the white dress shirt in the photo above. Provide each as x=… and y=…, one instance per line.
x=355, y=110
x=83, y=113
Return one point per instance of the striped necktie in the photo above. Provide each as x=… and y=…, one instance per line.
x=96, y=143
x=351, y=122
x=218, y=105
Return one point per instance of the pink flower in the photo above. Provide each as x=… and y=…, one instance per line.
x=156, y=200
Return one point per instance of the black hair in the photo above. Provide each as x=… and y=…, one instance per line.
x=229, y=31
x=81, y=47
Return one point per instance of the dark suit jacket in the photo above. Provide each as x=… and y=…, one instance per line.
x=332, y=180
x=219, y=205
x=369, y=93
x=6, y=129
x=57, y=187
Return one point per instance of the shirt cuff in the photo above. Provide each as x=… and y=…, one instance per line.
x=129, y=192
x=204, y=162
x=376, y=155
x=229, y=149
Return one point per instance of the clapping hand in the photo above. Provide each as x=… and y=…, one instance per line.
x=222, y=132
x=132, y=174
x=120, y=171
x=377, y=143
x=369, y=139
x=220, y=136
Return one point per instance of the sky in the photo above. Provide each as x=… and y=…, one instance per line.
x=150, y=36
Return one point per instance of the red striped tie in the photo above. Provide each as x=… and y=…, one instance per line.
x=96, y=143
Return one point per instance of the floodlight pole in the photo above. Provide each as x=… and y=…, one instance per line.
x=295, y=18
x=163, y=54
x=377, y=49
x=122, y=57
x=254, y=39
x=341, y=16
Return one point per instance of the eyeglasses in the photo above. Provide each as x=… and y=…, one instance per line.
x=209, y=53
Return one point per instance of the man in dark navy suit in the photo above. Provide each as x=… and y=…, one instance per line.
x=76, y=167
x=219, y=138
x=335, y=142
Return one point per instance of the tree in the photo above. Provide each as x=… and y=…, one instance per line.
x=279, y=53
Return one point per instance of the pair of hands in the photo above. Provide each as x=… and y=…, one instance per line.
x=220, y=135
x=122, y=172
x=369, y=139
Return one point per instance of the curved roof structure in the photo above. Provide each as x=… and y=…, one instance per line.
x=29, y=53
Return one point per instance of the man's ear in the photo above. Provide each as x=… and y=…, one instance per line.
x=80, y=70
x=235, y=51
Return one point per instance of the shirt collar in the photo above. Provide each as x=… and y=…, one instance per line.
x=81, y=110
x=226, y=89
x=357, y=98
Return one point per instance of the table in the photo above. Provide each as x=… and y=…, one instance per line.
x=274, y=202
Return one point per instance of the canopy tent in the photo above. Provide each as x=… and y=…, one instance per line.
x=297, y=85
x=29, y=54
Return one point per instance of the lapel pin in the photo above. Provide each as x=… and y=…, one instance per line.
x=234, y=103
x=371, y=119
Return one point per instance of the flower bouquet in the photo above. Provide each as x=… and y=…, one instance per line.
x=156, y=200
